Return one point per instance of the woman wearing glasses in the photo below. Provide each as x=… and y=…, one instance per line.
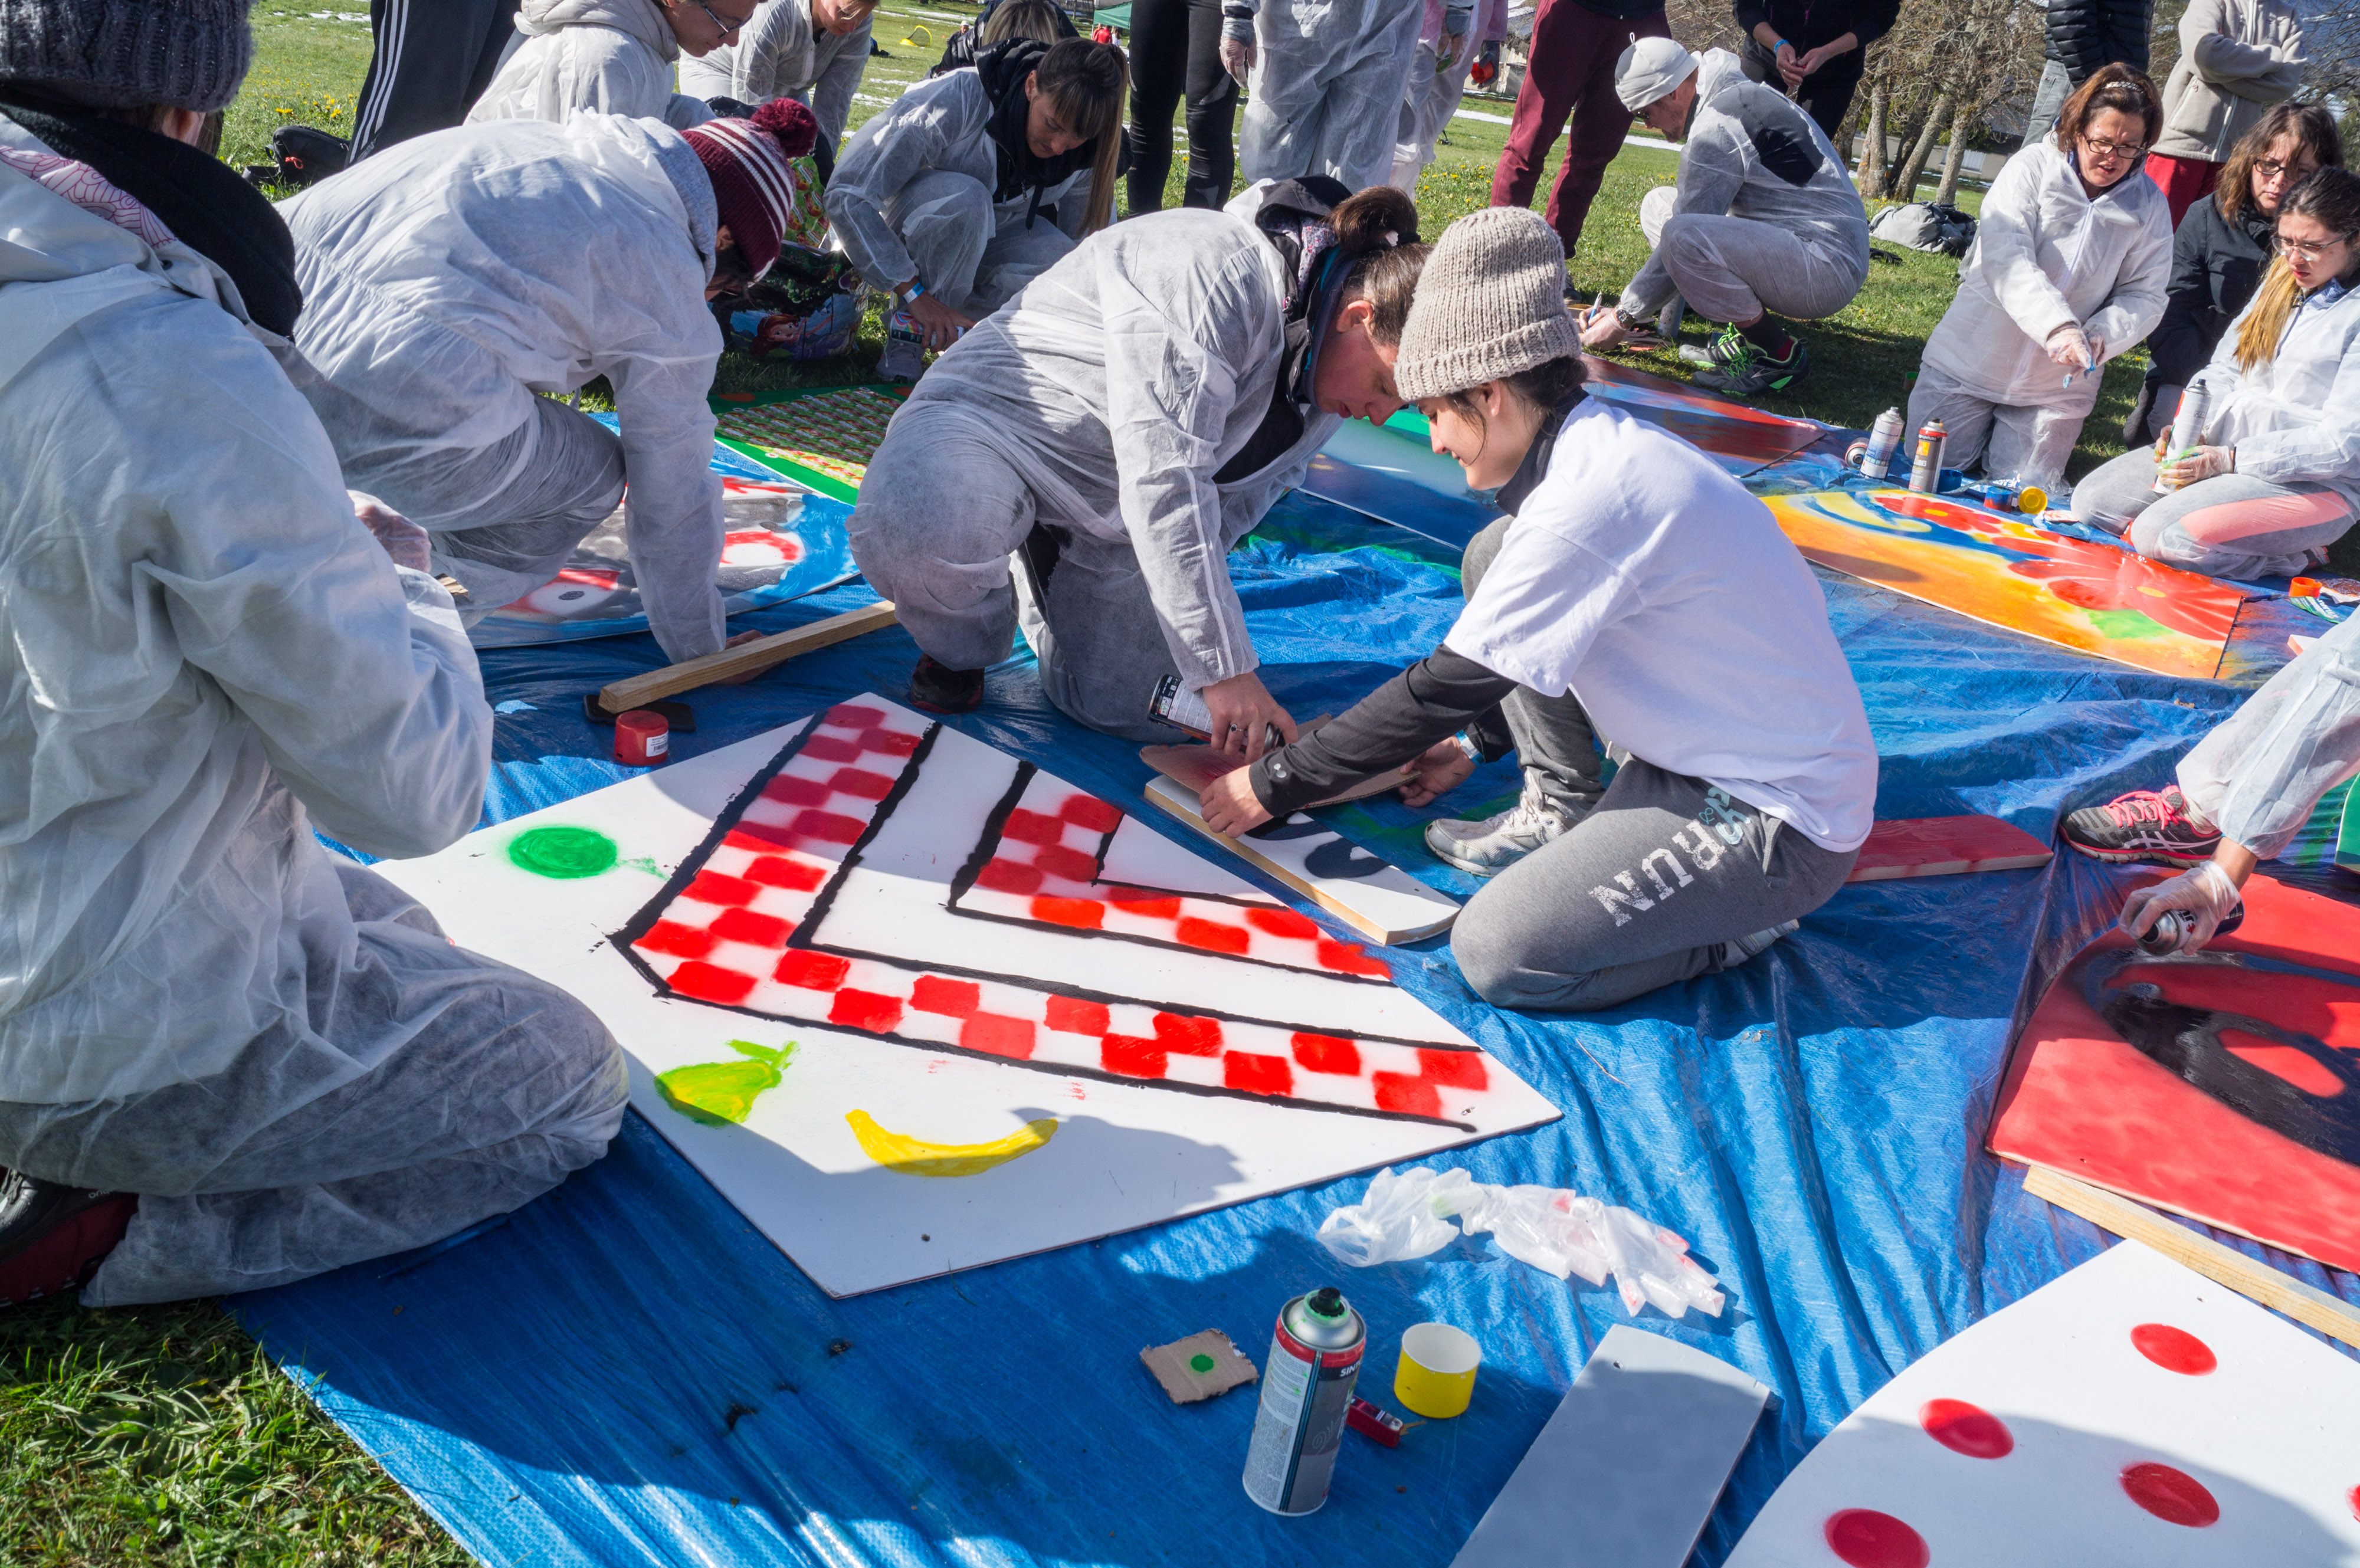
x=2220, y=250
x=613, y=56
x=2276, y=479
x=2068, y=269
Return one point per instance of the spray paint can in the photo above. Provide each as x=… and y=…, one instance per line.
x=1884, y=440
x=1183, y=708
x=2010, y=495
x=2187, y=430
x=1926, y=471
x=1306, y=1392
x=2172, y=927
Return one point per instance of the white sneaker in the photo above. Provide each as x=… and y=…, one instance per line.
x=904, y=358
x=1488, y=848
x=1734, y=953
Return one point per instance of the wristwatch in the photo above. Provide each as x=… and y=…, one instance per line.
x=1627, y=322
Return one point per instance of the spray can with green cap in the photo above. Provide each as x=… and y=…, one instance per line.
x=1306, y=1392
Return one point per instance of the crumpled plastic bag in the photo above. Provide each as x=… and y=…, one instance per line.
x=1552, y=1228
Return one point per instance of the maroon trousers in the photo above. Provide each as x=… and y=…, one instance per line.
x=1572, y=73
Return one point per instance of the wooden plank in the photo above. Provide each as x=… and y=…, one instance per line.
x=2271, y=1287
x=1194, y=767
x=747, y=658
x=1946, y=846
x=1380, y=901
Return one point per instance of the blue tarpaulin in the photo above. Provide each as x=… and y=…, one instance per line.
x=627, y=1372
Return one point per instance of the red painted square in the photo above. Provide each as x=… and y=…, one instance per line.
x=1213, y=936
x=829, y=827
x=1009, y=877
x=1282, y=923
x=713, y=888
x=1326, y=1053
x=811, y=971
x=1400, y=1092
x=1089, y=813
x=791, y=789
x=998, y=1035
x=1070, y=863
x=1032, y=827
x=952, y=998
x=1082, y=914
x=1257, y=1074
x=853, y=716
x=776, y=871
x=1131, y=1056
x=1460, y=1069
x=1187, y=1036
x=1145, y=904
x=861, y=783
x=829, y=748
x=888, y=742
x=865, y=1010
x=678, y=941
x=1345, y=958
x=748, y=926
x=1070, y=1015
x=711, y=982
x=758, y=838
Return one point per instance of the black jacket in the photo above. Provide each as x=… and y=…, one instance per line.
x=2215, y=267
x=2086, y=33
x=1806, y=24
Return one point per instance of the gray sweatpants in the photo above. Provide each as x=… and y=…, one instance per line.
x=1647, y=889
x=2027, y=441
x=2232, y=524
x=945, y=220
x=940, y=530
x=2257, y=776
x=1732, y=270
x=430, y=1088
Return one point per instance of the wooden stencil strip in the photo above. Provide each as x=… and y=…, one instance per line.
x=750, y=659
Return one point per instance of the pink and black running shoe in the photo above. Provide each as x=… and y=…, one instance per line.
x=2149, y=825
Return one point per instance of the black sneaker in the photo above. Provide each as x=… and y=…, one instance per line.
x=2149, y=825
x=1747, y=372
x=54, y=1237
x=939, y=689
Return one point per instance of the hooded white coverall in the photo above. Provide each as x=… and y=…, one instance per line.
x=2045, y=255
x=613, y=56
x=448, y=280
x=781, y=55
x=206, y=657
x=1326, y=88
x=1102, y=405
x=912, y=197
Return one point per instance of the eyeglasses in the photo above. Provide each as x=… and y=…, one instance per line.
x=2110, y=151
x=2271, y=168
x=726, y=25
x=2307, y=250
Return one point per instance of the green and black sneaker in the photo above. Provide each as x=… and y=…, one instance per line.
x=1724, y=349
x=1748, y=372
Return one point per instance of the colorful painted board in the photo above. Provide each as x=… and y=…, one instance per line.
x=824, y=439
x=2132, y=1411
x=1741, y=438
x=2092, y=598
x=2222, y=1085
x=915, y=1006
x=2347, y=838
x=1945, y=846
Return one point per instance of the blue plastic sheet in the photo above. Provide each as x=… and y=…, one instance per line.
x=626, y=1372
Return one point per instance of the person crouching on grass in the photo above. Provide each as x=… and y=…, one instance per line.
x=1634, y=588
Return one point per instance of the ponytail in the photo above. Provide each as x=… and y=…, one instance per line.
x=1376, y=234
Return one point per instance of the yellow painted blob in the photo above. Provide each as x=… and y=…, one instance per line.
x=895, y=1151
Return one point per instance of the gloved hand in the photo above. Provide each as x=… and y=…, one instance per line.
x=1448, y=49
x=2200, y=463
x=2206, y=895
x=402, y=539
x=1237, y=57
x=2070, y=346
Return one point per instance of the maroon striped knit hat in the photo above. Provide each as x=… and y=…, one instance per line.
x=752, y=186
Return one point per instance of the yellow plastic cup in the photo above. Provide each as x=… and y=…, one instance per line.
x=1437, y=1375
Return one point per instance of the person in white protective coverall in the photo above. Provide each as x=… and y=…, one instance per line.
x=1324, y=80
x=454, y=278
x=2067, y=270
x=264, y=1060
x=1762, y=223
x=974, y=182
x=811, y=50
x=1438, y=80
x=1084, y=459
x=613, y=56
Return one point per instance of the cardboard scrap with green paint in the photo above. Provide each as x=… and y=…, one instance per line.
x=1198, y=1367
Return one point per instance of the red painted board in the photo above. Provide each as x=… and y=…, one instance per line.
x=1945, y=846
x=2244, y=1109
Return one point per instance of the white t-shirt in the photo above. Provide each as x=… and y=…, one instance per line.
x=1650, y=584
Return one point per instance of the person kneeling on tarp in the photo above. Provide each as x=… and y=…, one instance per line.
x=2275, y=477
x=451, y=280
x=1084, y=459
x=264, y=1060
x=1633, y=584
x=1764, y=219
x=2242, y=795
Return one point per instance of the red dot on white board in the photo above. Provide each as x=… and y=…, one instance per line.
x=1863, y=1537
x=2174, y=1349
x=1966, y=1429
x=2354, y=1498
x=2172, y=1496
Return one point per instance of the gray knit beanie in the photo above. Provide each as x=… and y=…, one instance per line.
x=1490, y=303
x=120, y=54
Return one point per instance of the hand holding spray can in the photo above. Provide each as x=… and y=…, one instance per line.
x=1926, y=473
x=2187, y=431
x=1306, y=1392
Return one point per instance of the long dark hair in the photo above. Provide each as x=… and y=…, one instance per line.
x=2309, y=124
x=1085, y=83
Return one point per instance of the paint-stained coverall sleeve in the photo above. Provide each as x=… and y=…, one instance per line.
x=2260, y=774
x=1714, y=169
x=892, y=148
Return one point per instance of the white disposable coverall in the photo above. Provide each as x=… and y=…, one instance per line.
x=206, y=657
x=613, y=56
x=1101, y=404
x=2044, y=255
x=912, y=197
x=450, y=279
x=1326, y=87
x=2259, y=775
x=781, y=55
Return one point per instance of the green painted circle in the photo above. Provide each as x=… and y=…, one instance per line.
x=562, y=853
x=1200, y=1364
